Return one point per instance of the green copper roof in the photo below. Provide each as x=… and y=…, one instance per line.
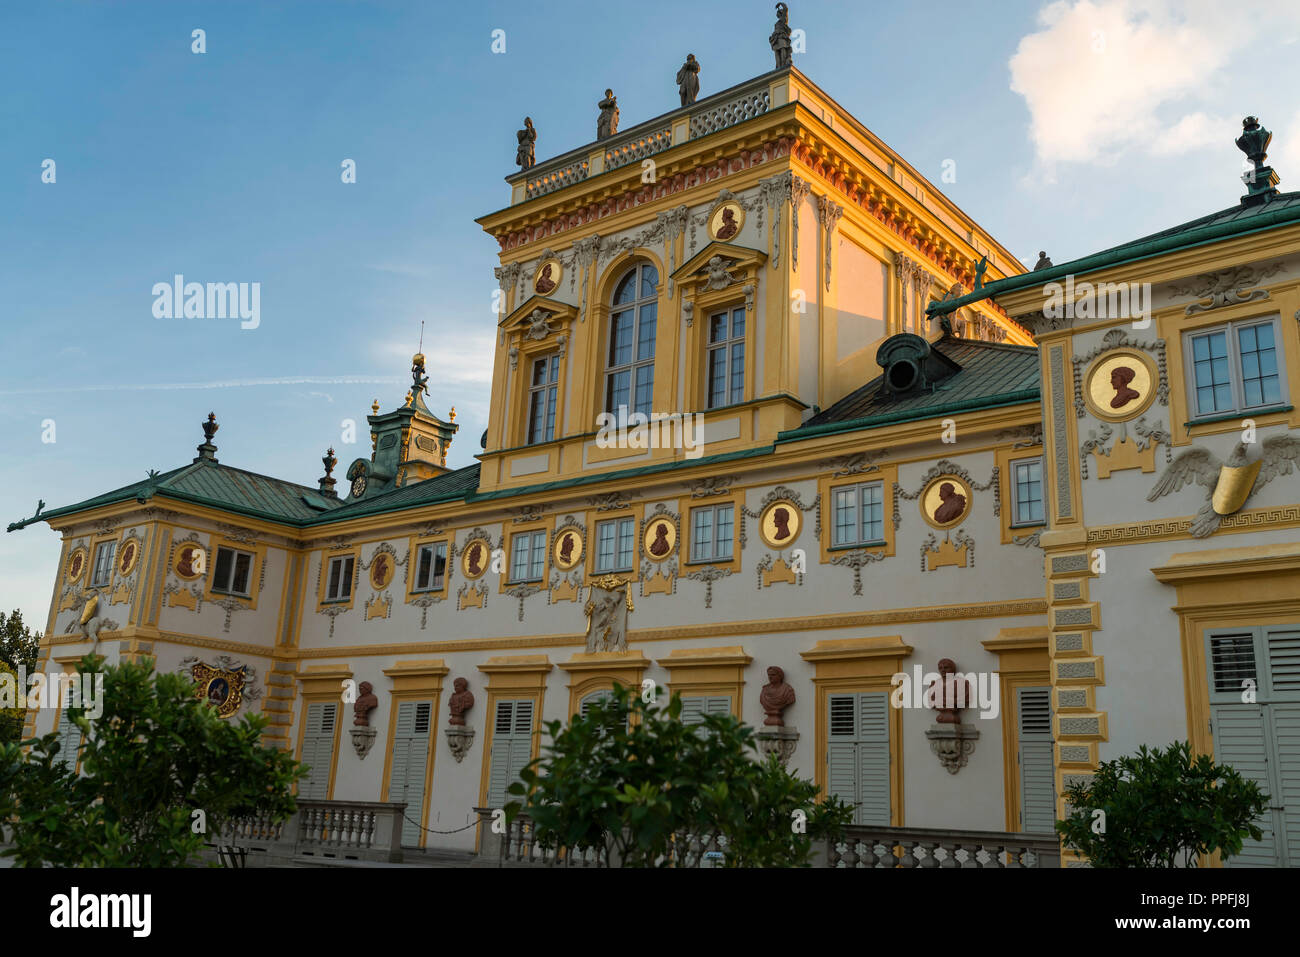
x=992, y=374
x=1240, y=220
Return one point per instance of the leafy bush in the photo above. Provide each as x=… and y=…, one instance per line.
x=629, y=780
x=1162, y=809
x=156, y=755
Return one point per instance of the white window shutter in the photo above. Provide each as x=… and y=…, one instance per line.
x=1037, y=787
x=1240, y=741
x=318, y=750
x=512, y=747
x=857, y=754
x=69, y=740
x=410, y=765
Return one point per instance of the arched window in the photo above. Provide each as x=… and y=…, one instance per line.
x=630, y=370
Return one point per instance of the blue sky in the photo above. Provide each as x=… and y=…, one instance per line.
x=1073, y=126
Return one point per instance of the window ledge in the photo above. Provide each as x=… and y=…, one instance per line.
x=849, y=548
x=1245, y=414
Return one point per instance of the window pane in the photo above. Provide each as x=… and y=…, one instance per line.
x=537, y=567
x=1259, y=380
x=717, y=377
x=625, y=539
x=645, y=388
x=722, y=532
x=1210, y=371
x=605, y=532
x=873, y=513
x=702, y=533
x=738, y=323
x=737, y=372
x=649, y=279
x=618, y=391
x=846, y=516
x=425, y=569
x=439, y=565
x=243, y=566
x=1029, y=492
x=646, y=329
x=346, y=584
x=519, y=560
x=718, y=327
x=626, y=291
x=620, y=339
x=221, y=574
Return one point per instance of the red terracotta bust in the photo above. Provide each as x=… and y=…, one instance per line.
x=364, y=704
x=775, y=697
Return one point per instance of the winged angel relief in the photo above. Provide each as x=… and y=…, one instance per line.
x=1248, y=469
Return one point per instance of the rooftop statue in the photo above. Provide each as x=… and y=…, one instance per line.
x=688, y=80
x=1043, y=261
x=525, y=156
x=607, y=124
x=780, y=38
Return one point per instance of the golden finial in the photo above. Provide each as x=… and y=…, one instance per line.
x=452, y=414
x=374, y=407
x=408, y=396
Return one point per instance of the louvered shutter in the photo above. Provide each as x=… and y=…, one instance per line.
x=318, y=750
x=512, y=741
x=857, y=754
x=410, y=765
x=584, y=706
x=69, y=740
x=1283, y=646
x=1037, y=788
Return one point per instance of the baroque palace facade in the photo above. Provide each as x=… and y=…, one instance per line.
x=906, y=452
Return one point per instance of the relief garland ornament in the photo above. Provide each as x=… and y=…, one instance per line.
x=1119, y=339
x=1226, y=287
x=943, y=469
x=857, y=560
x=709, y=575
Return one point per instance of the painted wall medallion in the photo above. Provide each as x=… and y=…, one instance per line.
x=567, y=550
x=660, y=541
x=127, y=556
x=946, y=501
x=222, y=688
x=191, y=561
x=1120, y=385
x=381, y=571
x=476, y=558
x=726, y=222
x=549, y=272
x=779, y=524
x=76, y=566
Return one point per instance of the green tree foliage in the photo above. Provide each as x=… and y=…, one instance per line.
x=18, y=646
x=630, y=779
x=11, y=719
x=154, y=757
x=1162, y=808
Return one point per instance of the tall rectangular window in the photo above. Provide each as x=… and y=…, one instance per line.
x=1234, y=368
x=615, y=542
x=431, y=567
x=859, y=515
x=103, y=564
x=1027, y=491
x=630, y=369
x=726, y=358
x=528, y=564
x=542, y=399
x=712, y=529
x=338, y=586
x=232, y=572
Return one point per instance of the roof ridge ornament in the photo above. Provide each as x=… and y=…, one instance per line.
x=327, y=481
x=207, y=450
x=1261, y=181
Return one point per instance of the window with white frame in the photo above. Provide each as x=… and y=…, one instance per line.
x=338, y=586
x=431, y=567
x=712, y=530
x=528, y=563
x=1027, y=491
x=232, y=572
x=542, y=392
x=103, y=564
x=630, y=371
x=615, y=545
x=1233, y=368
x=859, y=515
x=726, y=358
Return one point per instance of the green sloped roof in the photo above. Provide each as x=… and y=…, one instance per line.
x=992, y=374
x=218, y=486
x=1239, y=220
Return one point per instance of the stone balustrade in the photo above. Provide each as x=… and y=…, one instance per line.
x=939, y=847
x=339, y=830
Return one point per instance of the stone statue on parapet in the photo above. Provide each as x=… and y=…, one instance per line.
x=779, y=41
x=525, y=155
x=688, y=80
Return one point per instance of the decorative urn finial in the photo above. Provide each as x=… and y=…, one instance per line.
x=328, y=481
x=1261, y=182
x=207, y=450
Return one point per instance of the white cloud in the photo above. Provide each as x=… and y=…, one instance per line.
x=1101, y=78
x=451, y=357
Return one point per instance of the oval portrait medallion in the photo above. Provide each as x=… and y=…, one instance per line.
x=726, y=222
x=946, y=501
x=566, y=552
x=476, y=558
x=660, y=538
x=191, y=560
x=1120, y=385
x=779, y=524
x=381, y=570
x=76, y=564
x=128, y=556
x=549, y=273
